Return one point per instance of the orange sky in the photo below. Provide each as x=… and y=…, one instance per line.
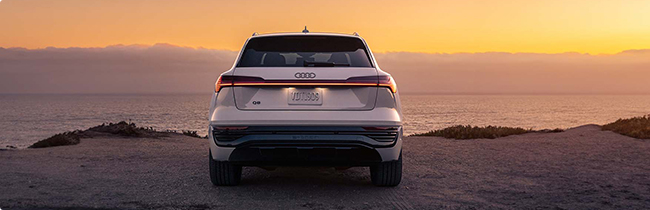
x=549, y=26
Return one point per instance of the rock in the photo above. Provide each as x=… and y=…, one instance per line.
x=61, y=139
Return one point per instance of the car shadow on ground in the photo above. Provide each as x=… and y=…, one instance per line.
x=313, y=188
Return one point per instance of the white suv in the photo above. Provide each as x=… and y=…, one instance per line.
x=305, y=99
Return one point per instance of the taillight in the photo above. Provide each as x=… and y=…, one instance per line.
x=223, y=81
x=244, y=80
x=217, y=85
x=387, y=81
x=366, y=80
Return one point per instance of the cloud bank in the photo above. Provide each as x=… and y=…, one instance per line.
x=493, y=72
x=160, y=68
x=164, y=68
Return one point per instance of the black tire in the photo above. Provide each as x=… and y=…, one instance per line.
x=387, y=174
x=222, y=173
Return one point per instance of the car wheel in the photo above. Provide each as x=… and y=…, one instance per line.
x=222, y=173
x=387, y=174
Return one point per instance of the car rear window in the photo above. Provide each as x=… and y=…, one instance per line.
x=305, y=51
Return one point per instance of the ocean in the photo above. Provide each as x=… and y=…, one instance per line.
x=25, y=119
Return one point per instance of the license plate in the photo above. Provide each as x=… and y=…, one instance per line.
x=305, y=97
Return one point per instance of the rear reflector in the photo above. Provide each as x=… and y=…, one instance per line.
x=231, y=127
x=379, y=128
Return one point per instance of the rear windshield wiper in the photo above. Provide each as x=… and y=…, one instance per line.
x=323, y=64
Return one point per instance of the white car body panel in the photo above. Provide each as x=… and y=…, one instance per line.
x=341, y=106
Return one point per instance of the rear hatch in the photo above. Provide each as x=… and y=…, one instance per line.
x=331, y=89
x=305, y=72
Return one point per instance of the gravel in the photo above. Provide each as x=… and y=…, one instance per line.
x=582, y=168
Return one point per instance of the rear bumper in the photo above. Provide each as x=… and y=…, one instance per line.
x=306, y=145
x=231, y=116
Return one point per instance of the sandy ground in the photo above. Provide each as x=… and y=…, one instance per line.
x=583, y=168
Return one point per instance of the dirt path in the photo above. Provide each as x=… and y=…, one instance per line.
x=583, y=168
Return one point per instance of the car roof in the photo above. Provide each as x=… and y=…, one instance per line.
x=255, y=35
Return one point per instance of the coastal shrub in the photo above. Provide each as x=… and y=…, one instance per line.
x=61, y=139
x=123, y=128
x=475, y=132
x=637, y=127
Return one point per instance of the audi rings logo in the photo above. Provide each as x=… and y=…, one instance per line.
x=305, y=75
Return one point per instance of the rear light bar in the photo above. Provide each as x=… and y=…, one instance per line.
x=231, y=127
x=369, y=81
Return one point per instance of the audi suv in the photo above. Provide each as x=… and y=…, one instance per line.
x=305, y=99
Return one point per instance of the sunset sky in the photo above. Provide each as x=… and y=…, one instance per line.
x=550, y=26
x=449, y=47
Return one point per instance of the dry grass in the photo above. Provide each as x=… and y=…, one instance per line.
x=475, y=132
x=637, y=127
